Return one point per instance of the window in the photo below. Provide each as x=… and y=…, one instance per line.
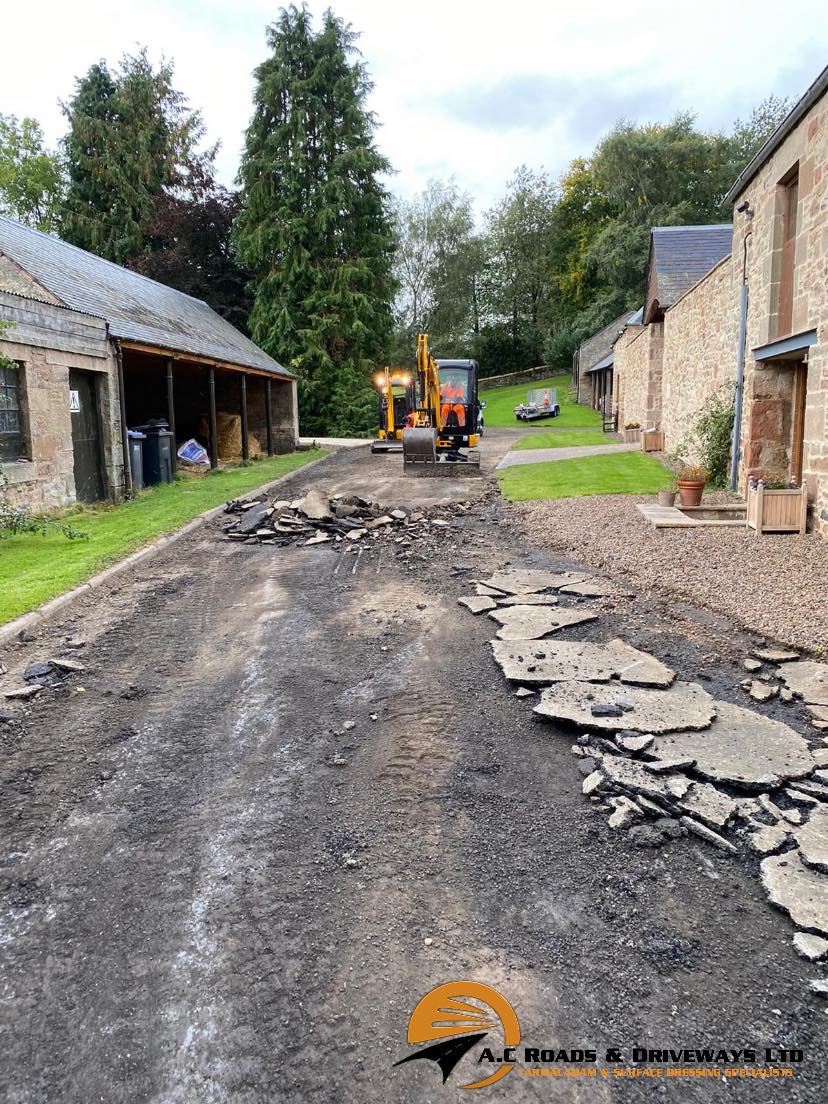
x=11, y=432
x=790, y=204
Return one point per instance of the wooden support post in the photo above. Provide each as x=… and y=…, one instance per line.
x=245, y=443
x=171, y=408
x=211, y=383
x=269, y=416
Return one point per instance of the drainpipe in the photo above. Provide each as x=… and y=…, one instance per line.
x=740, y=357
x=119, y=360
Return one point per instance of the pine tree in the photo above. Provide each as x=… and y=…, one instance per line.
x=130, y=137
x=315, y=228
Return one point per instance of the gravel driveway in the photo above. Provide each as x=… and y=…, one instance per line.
x=776, y=585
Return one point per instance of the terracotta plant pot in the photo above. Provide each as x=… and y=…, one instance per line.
x=666, y=498
x=690, y=491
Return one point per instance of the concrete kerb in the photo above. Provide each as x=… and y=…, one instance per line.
x=39, y=616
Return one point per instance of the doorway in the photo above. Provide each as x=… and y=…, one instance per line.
x=86, y=435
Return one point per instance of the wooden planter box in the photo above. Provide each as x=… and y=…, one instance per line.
x=784, y=511
x=652, y=440
x=632, y=436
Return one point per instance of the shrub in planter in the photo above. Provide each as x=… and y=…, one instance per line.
x=691, y=482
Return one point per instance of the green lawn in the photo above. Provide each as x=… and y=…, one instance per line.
x=501, y=401
x=609, y=473
x=570, y=438
x=35, y=568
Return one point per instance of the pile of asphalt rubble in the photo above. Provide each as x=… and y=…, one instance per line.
x=347, y=522
x=662, y=757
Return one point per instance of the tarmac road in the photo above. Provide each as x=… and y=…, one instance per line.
x=213, y=891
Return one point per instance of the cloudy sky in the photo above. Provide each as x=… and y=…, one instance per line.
x=464, y=88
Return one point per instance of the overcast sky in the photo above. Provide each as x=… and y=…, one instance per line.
x=464, y=88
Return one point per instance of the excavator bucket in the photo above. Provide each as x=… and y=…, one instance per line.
x=420, y=457
x=420, y=446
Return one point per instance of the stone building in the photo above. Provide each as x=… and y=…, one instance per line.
x=768, y=270
x=679, y=257
x=96, y=349
x=592, y=364
x=780, y=237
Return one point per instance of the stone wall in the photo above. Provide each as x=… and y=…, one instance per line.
x=806, y=147
x=637, y=375
x=509, y=379
x=700, y=336
x=47, y=341
x=592, y=350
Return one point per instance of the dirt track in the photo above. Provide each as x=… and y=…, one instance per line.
x=201, y=904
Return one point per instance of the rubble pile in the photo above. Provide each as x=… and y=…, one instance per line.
x=662, y=757
x=347, y=522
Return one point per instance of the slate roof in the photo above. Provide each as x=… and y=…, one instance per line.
x=683, y=254
x=136, y=308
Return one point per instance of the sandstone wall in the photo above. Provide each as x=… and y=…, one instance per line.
x=700, y=337
x=807, y=147
x=47, y=341
x=637, y=375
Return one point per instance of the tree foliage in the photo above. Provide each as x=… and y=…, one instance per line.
x=437, y=269
x=31, y=176
x=189, y=245
x=131, y=138
x=315, y=229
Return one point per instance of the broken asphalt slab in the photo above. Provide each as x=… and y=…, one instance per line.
x=613, y=707
x=797, y=889
x=807, y=678
x=534, y=622
x=581, y=661
x=741, y=747
x=527, y=581
x=812, y=838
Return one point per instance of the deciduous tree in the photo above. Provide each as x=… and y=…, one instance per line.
x=31, y=176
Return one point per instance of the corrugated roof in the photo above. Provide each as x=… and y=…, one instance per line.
x=683, y=254
x=606, y=362
x=136, y=308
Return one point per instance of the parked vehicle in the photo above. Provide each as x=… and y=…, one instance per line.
x=541, y=402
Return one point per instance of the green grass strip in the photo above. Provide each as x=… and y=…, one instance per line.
x=34, y=569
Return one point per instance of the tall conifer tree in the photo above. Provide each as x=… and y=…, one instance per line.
x=130, y=137
x=315, y=228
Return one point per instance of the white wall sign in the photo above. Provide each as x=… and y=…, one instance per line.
x=74, y=402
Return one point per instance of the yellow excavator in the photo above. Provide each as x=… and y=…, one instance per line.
x=396, y=402
x=446, y=417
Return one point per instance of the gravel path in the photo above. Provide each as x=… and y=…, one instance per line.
x=776, y=585
x=543, y=455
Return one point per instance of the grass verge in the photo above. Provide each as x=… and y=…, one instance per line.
x=501, y=401
x=609, y=473
x=572, y=438
x=34, y=569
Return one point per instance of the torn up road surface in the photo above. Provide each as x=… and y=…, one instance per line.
x=288, y=793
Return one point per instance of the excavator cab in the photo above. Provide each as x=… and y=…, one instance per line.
x=458, y=401
x=396, y=400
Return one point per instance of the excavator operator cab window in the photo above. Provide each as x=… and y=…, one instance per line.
x=454, y=397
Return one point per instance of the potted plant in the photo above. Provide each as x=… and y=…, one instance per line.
x=668, y=497
x=632, y=433
x=691, y=483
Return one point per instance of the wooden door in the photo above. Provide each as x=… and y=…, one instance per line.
x=800, y=391
x=86, y=435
